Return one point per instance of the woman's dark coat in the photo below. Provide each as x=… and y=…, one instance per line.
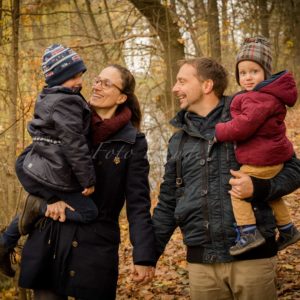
x=82, y=260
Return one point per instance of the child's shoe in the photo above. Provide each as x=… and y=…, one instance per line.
x=5, y=261
x=31, y=212
x=288, y=237
x=246, y=242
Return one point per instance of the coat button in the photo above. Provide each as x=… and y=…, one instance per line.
x=202, y=162
x=203, y=192
x=72, y=273
x=75, y=244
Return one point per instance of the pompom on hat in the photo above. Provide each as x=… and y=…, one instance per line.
x=61, y=64
x=257, y=49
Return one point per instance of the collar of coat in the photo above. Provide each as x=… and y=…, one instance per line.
x=198, y=126
x=61, y=89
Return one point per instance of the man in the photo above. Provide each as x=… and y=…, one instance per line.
x=194, y=194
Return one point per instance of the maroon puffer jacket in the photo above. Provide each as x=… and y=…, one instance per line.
x=257, y=124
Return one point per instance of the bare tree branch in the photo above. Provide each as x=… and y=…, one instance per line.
x=16, y=121
x=98, y=33
x=80, y=16
x=120, y=40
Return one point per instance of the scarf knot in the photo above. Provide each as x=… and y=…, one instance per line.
x=102, y=129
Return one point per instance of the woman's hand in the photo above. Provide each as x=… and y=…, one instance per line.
x=142, y=274
x=242, y=186
x=56, y=211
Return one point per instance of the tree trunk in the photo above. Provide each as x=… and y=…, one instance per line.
x=13, y=79
x=225, y=29
x=95, y=26
x=296, y=51
x=264, y=18
x=80, y=17
x=120, y=56
x=233, y=16
x=276, y=45
x=191, y=28
x=1, y=20
x=161, y=20
x=214, y=30
x=296, y=18
x=22, y=294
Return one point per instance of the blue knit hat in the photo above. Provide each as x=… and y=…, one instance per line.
x=61, y=64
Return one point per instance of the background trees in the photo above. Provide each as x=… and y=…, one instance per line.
x=148, y=36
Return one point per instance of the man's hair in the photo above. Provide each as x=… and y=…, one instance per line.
x=208, y=68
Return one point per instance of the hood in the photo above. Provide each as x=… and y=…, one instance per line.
x=280, y=85
x=58, y=89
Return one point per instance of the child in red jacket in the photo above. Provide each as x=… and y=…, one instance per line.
x=257, y=127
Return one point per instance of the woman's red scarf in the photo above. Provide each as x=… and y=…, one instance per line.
x=103, y=129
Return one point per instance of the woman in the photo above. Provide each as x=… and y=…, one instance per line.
x=81, y=260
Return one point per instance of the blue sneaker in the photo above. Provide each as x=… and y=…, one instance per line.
x=288, y=237
x=246, y=242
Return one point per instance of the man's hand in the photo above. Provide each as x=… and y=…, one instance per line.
x=142, y=274
x=242, y=186
x=56, y=211
x=87, y=191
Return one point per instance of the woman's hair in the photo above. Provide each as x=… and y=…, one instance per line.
x=132, y=102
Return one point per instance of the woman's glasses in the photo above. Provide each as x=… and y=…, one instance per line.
x=105, y=83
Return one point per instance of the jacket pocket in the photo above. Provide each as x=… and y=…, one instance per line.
x=180, y=212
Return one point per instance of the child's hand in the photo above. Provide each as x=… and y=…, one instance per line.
x=87, y=191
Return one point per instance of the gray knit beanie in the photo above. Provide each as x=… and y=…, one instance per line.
x=255, y=49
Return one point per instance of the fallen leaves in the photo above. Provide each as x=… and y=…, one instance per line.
x=171, y=277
